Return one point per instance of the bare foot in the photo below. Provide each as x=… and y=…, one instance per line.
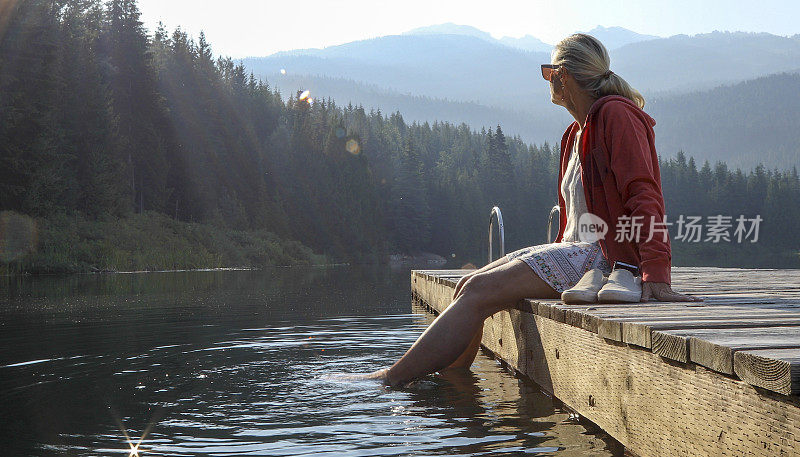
x=380, y=376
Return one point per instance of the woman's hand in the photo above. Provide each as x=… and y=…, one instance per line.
x=661, y=291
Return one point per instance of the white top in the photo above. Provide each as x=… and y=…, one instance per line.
x=572, y=192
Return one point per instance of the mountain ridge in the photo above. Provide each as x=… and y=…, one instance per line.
x=495, y=84
x=613, y=37
x=686, y=122
x=470, y=68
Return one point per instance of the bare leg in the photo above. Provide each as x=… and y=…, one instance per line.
x=468, y=356
x=450, y=334
x=487, y=267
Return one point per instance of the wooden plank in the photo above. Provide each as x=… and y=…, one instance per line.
x=624, y=307
x=637, y=330
x=616, y=330
x=557, y=314
x=665, y=344
x=752, y=291
x=610, y=329
x=590, y=322
x=572, y=317
x=696, y=314
x=689, y=307
x=444, y=272
x=714, y=348
x=777, y=370
x=638, y=334
x=742, y=285
x=543, y=309
x=669, y=312
x=612, y=325
x=527, y=306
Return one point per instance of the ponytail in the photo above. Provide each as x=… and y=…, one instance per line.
x=587, y=60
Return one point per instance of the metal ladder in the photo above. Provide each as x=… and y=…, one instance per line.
x=555, y=210
x=497, y=214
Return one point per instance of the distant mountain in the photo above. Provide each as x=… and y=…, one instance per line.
x=451, y=29
x=466, y=78
x=686, y=63
x=742, y=124
x=612, y=37
x=617, y=37
x=455, y=67
x=471, y=68
x=527, y=43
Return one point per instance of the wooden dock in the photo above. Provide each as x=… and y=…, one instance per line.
x=717, y=378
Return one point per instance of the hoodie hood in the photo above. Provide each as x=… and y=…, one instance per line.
x=600, y=102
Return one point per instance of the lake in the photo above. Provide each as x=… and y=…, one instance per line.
x=229, y=363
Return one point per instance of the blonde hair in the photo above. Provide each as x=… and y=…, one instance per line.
x=586, y=59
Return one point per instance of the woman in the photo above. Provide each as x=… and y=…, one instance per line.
x=609, y=149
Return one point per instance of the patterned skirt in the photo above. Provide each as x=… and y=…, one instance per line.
x=562, y=265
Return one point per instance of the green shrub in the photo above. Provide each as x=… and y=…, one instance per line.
x=149, y=241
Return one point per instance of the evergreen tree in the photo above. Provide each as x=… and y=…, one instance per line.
x=30, y=159
x=97, y=119
x=411, y=213
x=143, y=126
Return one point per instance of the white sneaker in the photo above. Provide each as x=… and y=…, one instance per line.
x=585, y=291
x=622, y=286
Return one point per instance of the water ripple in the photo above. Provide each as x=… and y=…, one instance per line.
x=231, y=370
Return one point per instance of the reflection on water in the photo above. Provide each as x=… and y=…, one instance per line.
x=231, y=363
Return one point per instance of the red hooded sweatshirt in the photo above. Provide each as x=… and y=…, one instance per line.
x=620, y=177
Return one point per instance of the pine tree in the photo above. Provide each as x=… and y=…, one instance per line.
x=411, y=212
x=143, y=124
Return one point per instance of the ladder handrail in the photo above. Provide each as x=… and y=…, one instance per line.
x=555, y=209
x=496, y=212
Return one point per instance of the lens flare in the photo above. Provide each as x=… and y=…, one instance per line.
x=352, y=146
x=304, y=95
x=134, y=449
x=283, y=71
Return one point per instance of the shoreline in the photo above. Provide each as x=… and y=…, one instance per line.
x=180, y=270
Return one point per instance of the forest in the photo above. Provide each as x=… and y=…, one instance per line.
x=122, y=149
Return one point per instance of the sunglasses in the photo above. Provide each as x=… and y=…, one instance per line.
x=548, y=70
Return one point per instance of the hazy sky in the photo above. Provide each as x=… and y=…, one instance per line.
x=240, y=28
